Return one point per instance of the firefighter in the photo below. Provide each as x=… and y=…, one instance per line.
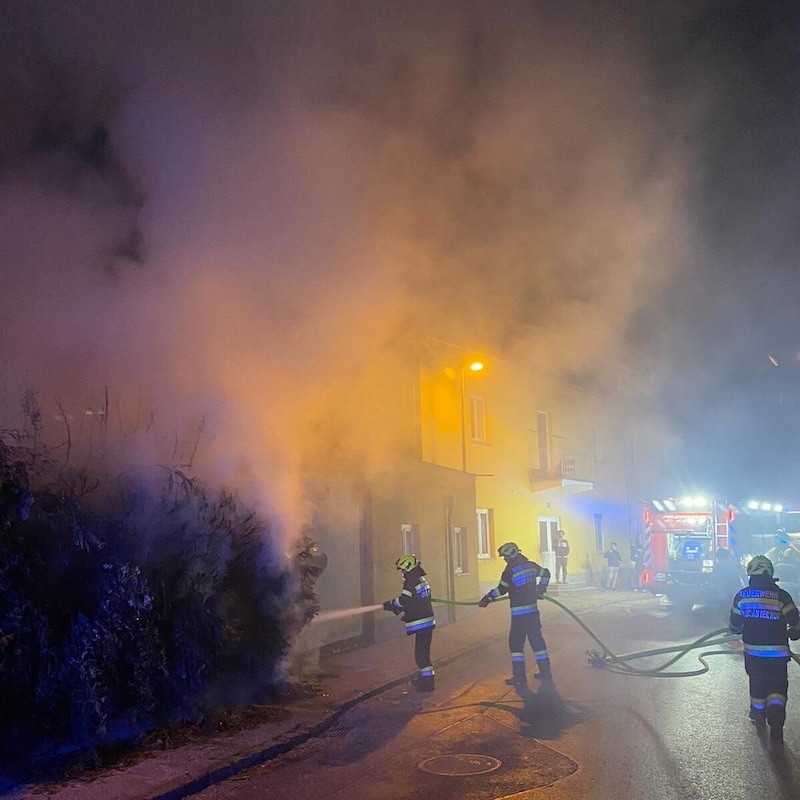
x=764, y=615
x=414, y=603
x=525, y=582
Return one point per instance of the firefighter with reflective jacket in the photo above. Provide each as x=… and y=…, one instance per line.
x=525, y=581
x=414, y=603
x=766, y=617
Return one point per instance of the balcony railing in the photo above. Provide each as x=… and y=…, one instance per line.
x=566, y=464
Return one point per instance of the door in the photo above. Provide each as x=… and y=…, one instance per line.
x=547, y=536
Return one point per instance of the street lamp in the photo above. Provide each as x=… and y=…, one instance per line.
x=474, y=366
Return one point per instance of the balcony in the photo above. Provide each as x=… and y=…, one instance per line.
x=566, y=472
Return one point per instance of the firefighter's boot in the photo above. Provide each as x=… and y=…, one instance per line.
x=758, y=717
x=424, y=683
x=545, y=673
x=776, y=716
x=518, y=677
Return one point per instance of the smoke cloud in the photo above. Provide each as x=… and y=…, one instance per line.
x=227, y=215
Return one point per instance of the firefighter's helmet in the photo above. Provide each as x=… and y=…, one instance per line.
x=760, y=565
x=407, y=562
x=508, y=550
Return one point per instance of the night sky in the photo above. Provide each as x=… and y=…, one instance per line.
x=224, y=210
x=731, y=315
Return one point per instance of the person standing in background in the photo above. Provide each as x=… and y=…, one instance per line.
x=562, y=552
x=614, y=559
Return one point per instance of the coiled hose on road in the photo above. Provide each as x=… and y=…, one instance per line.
x=619, y=663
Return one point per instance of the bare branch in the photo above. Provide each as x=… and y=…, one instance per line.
x=199, y=433
x=65, y=420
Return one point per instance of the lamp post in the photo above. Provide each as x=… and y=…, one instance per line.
x=474, y=366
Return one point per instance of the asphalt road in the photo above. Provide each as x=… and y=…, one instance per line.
x=594, y=734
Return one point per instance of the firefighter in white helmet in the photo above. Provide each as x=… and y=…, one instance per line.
x=766, y=617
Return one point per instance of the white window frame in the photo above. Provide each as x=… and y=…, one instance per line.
x=477, y=418
x=548, y=527
x=409, y=533
x=485, y=532
x=460, y=550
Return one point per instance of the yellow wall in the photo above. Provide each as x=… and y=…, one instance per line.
x=626, y=454
x=602, y=428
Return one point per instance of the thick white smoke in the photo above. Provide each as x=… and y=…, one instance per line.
x=224, y=214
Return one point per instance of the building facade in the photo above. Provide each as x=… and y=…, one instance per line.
x=487, y=454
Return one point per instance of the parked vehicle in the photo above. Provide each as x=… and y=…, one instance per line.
x=697, y=549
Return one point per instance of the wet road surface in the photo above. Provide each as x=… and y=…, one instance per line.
x=591, y=734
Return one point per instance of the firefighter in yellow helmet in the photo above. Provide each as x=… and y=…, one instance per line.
x=525, y=581
x=414, y=603
x=766, y=617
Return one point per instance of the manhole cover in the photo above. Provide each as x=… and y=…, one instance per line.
x=460, y=764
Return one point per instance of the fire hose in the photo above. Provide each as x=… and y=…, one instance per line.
x=607, y=659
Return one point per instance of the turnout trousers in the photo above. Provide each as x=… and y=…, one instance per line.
x=527, y=626
x=422, y=656
x=769, y=685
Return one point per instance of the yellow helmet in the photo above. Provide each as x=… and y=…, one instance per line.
x=508, y=550
x=760, y=565
x=407, y=562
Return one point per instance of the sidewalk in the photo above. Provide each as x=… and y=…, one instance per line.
x=348, y=678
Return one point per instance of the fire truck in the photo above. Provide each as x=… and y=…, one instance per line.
x=696, y=549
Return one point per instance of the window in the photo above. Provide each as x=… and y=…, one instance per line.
x=410, y=534
x=485, y=532
x=598, y=445
x=598, y=533
x=477, y=419
x=460, y=563
x=542, y=430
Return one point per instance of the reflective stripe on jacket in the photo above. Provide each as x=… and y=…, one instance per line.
x=763, y=613
x=524, y=580
x=415, y=600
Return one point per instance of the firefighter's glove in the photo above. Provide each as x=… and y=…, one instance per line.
x=391, y=605
x=484, y=601
x=794, y=634
x=540, y=593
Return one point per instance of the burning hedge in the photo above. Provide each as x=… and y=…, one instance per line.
x=131, y=602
